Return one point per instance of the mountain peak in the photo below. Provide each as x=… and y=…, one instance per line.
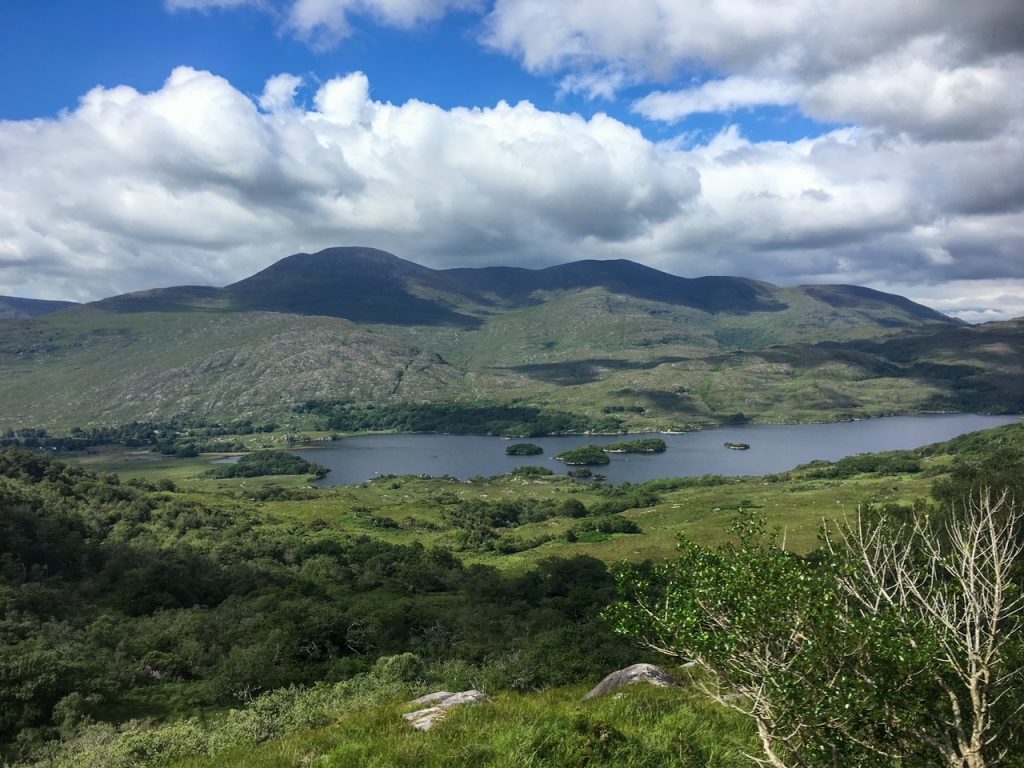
x=366, y=285
x=343, y=257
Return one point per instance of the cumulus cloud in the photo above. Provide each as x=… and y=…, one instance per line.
x=198, y=183
x=723, y=95
x=325, y=23
x=798, y=36
x=938, y=69
x=279, y=92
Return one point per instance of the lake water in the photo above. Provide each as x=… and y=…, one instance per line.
x=773, y=448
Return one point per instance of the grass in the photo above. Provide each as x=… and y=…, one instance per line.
x=360, y=725
x=794, y=503
x=642, y=727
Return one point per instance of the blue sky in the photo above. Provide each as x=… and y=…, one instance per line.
x=157, y=142
x=62, y=48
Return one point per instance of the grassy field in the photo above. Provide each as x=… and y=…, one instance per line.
x=640, y=728
x=795, y=503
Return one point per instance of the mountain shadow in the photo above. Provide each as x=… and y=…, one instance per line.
x=734, y=295
x=12, y=306
x=586, y=371
x=364, y=285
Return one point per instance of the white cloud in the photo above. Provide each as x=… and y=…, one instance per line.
x=797, y=36
x=345, y=100
x=279, y=93
x=976, y=301
x=723, y=95
x=937, y=69
x=326, y=22
x=595, y=85
x=194, y=183
x=197, y=183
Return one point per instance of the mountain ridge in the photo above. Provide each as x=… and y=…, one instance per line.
x=368, y=285
x=590, y=338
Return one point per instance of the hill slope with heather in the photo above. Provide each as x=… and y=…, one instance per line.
x=590, y=337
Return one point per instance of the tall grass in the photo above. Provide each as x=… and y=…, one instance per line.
x=641, y=727
x=359, y=724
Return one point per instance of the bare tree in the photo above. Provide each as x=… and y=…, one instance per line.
x=958, y=591
x=904, y=647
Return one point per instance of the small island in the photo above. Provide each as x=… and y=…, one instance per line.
x=264, y=463
x=584, y=455
x=524, y=449
x=737, y=446
x=644, y=445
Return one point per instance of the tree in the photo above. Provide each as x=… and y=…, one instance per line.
x=959, y=586
x=896, y=644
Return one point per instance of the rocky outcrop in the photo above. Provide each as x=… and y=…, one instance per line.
x=434, y=707
x=638, y=673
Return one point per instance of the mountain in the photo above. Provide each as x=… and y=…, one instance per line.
x=11, y=306
x=367, y=285
x=588, y=337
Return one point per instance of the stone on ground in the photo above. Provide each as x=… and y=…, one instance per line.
x=438, y=704
x=638, y=673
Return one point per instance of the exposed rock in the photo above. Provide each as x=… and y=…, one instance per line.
x=439, y=703
x=430, y=699
x=638, y=673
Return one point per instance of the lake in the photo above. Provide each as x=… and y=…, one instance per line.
x=773, y=448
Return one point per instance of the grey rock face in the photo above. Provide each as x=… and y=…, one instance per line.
x=638, y=673
x=437, y=705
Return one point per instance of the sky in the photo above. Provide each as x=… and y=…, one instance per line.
x=147, y=143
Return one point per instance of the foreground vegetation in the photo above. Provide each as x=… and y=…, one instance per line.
x=161, y=617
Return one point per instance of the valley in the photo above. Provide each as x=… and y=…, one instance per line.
x=162, y=610
x=192, y=568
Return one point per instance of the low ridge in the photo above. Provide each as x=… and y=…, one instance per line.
x=12, y=306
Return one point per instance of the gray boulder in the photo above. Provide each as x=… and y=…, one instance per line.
x=435, y=706
x=638, y=673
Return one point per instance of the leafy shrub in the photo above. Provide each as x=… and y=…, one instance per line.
x=531, y=471
x=608, y=524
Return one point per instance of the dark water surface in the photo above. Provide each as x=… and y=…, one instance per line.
x=773, y=448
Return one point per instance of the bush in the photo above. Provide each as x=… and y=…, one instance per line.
x=608, y=524
x=531, y=471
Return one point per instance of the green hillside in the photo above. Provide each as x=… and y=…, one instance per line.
x=588, y=338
